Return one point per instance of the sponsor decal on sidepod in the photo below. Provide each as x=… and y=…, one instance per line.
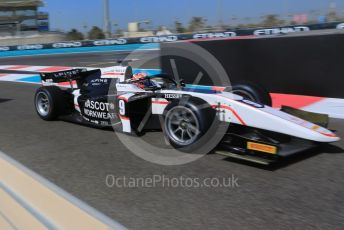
x=100, y=110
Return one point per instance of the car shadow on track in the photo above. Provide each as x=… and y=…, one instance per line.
x=321, y=149
x=325, y=148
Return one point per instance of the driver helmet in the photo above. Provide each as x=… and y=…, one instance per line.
x=144, y=83
x=138, y=76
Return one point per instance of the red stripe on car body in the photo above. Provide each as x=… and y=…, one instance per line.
x=124, y=117
x=328, y=134
x=123, y=98
x=161, y=102
x=232, y=110
x=296, y=101
x=67, y=83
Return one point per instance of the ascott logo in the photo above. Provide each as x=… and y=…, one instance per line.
x=30, y=47
x=215, y=35
x=283, y=30
x=340, y=26
x=171, y=38
x=100, y=106
x=67, y=44
x=110, y=42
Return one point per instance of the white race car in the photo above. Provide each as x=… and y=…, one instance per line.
x=185, y=113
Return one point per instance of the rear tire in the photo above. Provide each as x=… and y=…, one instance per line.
x=252, y=92
x=50, y=102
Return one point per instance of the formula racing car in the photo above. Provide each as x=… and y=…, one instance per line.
x=135, y=103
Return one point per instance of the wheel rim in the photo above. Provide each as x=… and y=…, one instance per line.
x=42, y=104
x=182, y=125
x=244, y=94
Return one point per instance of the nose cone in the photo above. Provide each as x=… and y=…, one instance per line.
x=329, y=136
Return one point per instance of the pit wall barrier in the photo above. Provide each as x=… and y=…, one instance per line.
x=151, y=42
x=300, y=71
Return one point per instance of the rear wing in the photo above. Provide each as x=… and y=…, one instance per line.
x=65, y=76
x=76, y=77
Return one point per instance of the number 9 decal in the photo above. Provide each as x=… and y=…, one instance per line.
x=121, y=105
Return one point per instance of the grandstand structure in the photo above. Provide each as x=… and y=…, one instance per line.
x=22, y=16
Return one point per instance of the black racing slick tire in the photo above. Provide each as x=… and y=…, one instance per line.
x=186, y=121
x=252, y=92
x=50, y=102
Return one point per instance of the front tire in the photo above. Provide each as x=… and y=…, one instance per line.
x=186, y=121
x=50, y=102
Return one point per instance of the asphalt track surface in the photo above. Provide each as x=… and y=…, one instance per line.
x=304, y=192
